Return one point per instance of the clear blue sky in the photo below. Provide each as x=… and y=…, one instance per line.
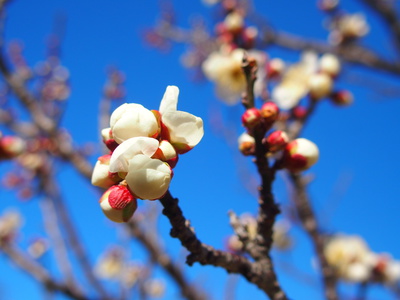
x=356, y=174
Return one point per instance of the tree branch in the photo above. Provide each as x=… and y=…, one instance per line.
x=264, y=278
x=39, y=273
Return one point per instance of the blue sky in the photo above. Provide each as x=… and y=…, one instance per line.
x=355, y=180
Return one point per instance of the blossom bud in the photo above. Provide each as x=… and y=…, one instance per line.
x=148, y=178
x=320, y=85
x=246, y=144
x=352, y=26
x=166, y=152
x=342, y=98
x=155, y=288
x=234, y=244
x=101, y=175
x=300, y=154
x=251, y=118
x=249, y=36
x=328, y=5
x=108, y=139
x=277, y=140
x=329, y=64
x=133, y=120
x=275, y=67
x=11, y=146
x=234, y=22
x=270, y=112
x=118, y=203
x=299, y=112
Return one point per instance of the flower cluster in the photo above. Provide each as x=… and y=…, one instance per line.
x=311, y=76
x=296, y=155
x=344, y=27
x=144, y=146
x=224, y=68
x=353, y=261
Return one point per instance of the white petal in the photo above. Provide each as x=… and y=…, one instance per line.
x=183, y=127
x=130, y=148
x=169, y=101
x=148, y=178
x=132, y=120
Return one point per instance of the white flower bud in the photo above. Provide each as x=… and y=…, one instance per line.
x=320, y=85
x=234, y=21
x=133, y=120
x=11, y=146
x=166, y=152
x=300, y=154
x=329, y=64
x=101, y=176
x=106, y=134
x=148, y=178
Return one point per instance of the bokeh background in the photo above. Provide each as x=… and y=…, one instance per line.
x=355, y=187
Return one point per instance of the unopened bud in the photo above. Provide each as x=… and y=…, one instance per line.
x=118, y=203
x=299, y=112
x=300, y=154
x=246, y=144
x=277, y=140
x=11, y=146
x=328, y=5
x=275, y=67
x=320, y=85
x=108, y=139
x=249, y=36
x=166, y=152
x=234, y=244
x=270, y=112
x=234, y=22
x=251, y=118
x=101, y=175
x=329, y=64
x=342, y=97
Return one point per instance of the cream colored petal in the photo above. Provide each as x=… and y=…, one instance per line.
x=148, y=178
x=169, y=101
x=130, y=148
x=184, y=128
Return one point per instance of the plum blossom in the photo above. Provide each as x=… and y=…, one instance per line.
x=294, y=84
x=131, y=120
x=144, y=148
x=183, y=130
x=225, y=70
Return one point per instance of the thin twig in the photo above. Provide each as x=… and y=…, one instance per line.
x=189, y=291
x=309, y=222
x=39, y=273
x=60, y=249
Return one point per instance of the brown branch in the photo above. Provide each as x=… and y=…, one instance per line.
x=50, y=188
x=259, y=273
x=60, y=249
x=39, y=273
x=355, y=54
x=157, y=254
x=388, y=15
x=309, y=222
